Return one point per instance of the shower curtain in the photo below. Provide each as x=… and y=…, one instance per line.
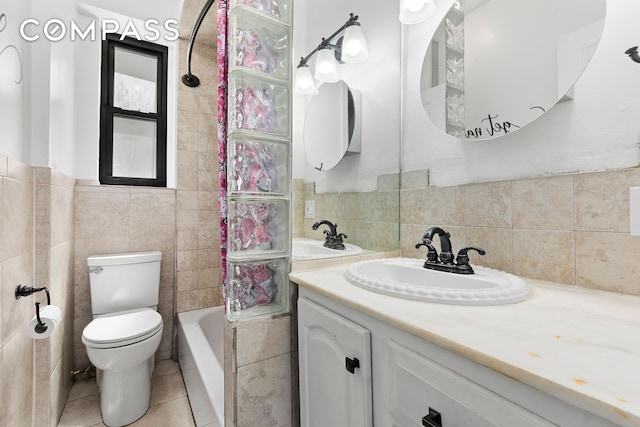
x=222, y=22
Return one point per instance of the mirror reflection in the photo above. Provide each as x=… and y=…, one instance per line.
x=494, y=66
x=330, y=127
x=360, y=194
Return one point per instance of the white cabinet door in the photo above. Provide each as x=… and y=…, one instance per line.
x=335, y=369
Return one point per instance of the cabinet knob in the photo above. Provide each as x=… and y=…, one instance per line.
x=434, y=419
x=351, y=364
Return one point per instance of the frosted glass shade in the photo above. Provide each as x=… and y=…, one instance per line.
x=414, y=11
x=304, y=82
x=354, y=45
x=326, y=66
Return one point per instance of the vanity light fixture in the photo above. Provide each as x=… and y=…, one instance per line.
x=414, y=11
x=350, y=47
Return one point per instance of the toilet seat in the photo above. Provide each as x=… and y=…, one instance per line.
x=122, y=328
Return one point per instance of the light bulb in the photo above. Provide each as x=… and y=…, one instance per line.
x=326, y=66
x=354, y=45
x=414, y=11
x=304, y=83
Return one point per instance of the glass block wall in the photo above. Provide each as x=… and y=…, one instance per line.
x=258, y=158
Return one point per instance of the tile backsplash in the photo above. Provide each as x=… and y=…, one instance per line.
x=571, y=229
x=369, y=219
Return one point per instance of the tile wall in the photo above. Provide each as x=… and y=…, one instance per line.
x=36, y=247
x=198, y=236
x=369, y=219
x=297, y=208
x=54, y=231
x=571, y=229
x=116, y=219
x=17, y=392
x=260, y=372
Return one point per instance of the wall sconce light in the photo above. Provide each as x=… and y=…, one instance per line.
x=350, y=48
x=414, y=11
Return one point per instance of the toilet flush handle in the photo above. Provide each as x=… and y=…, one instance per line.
x=96, y=270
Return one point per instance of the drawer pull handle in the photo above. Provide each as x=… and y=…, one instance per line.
x=434, y=419
x=352, y=364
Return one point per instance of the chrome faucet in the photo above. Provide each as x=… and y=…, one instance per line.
x=445, y=261
x=334, y=240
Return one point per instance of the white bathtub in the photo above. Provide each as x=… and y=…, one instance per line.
x=201, y=359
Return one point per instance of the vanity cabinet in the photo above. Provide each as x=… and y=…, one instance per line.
x=335, y=369
x=405, y=380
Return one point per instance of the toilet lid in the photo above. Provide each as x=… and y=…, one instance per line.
x=122, y=328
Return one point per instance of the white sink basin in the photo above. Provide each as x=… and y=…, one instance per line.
x=407, y=278
x=305, y=250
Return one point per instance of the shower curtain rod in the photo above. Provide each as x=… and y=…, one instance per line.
x=190, y=79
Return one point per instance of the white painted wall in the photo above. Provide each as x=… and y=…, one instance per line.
x=598, y=130
x=62, y=91
x=377, y=79
x=15, y=132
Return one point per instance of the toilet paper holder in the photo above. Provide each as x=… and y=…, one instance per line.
x=25, y=291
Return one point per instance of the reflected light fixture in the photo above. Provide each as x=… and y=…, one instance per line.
x=414, y=11
x=304, y=82
x=350, y=47
x=326, y=65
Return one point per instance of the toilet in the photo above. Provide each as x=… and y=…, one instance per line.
x=125, y=332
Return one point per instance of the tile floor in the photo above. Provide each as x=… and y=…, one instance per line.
x=169, y=402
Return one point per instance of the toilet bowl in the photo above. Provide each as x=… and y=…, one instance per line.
x=125, y=332
x=122, y=345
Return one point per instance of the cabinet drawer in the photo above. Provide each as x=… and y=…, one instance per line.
x=417, y=384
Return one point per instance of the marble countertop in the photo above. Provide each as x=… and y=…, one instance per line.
x=579, y=345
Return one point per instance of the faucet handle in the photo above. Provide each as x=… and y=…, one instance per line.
x=432, y=254
x=463, y=258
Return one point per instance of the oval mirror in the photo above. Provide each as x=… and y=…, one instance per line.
x=494, y=66
x=330, y=125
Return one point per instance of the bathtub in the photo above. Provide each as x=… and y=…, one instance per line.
x=201, y=359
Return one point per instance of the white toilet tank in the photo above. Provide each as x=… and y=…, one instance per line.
x=124, y=281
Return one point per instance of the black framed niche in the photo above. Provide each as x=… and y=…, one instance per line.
x=133, y=112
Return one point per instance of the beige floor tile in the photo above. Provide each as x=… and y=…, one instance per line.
x=169, y=403
x=174, y=413
x=166, y=388
x=81, y=412
x=83, y=388
x=165, y=367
